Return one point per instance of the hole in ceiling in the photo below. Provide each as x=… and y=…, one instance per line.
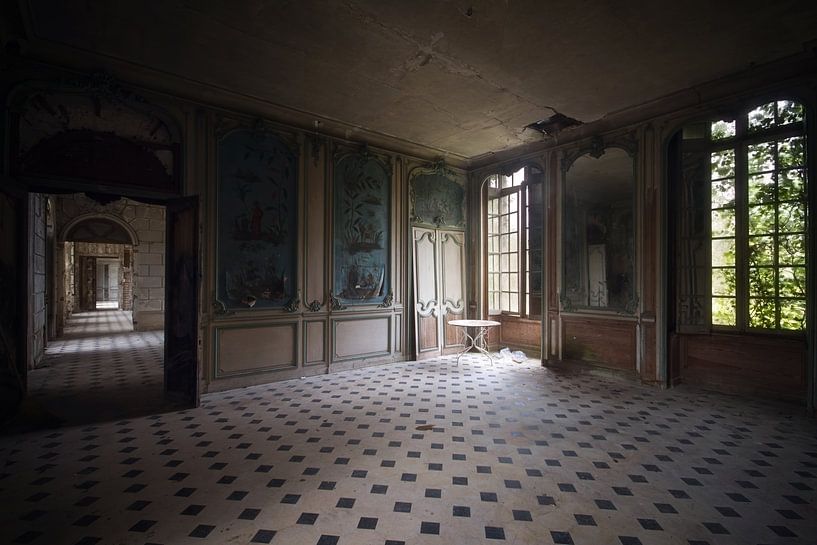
x=554, y=124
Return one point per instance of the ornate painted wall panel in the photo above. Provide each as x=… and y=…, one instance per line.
x=361, y=230
x=257, y=220
x=436, y=199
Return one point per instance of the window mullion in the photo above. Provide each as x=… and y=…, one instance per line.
x=523, y=248
x=741, y=229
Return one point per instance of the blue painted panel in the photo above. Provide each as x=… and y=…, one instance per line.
x=257, y=220
x=362, y=186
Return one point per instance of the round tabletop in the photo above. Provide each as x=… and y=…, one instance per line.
x=474, y=323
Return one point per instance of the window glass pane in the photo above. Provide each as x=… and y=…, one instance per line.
x=792, y=185
x=503, y=263
x=761, y=157
x=503, y=204
x=723, y=164
x=514, y=243
x=723, y=252
x=503, y=243
x=792, y=314
x=513, y=202
x=493, y=181
x=723, y=282
x=761, y=251
x=789, y=112
x=792, y=217
x=723, y=311
x=514, y=300
x=762, y=313
x=762, y=117
x=792, y=281
x=513, y=263
x=790, y=152
x=514, y=284
x=761, y=282
x=792, y=249
x=503, y=281
x=722, y=129
x=503, y=301
x=506, y=181
x=723, y=222
x=723, y=193
x=503, y=224
x=761, y=188
x=761, y=219
x=513, y=222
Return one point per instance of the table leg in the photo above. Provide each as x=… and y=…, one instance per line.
x=468, y=341
x=477, y=341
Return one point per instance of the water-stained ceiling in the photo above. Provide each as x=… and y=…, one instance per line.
x=462, y=76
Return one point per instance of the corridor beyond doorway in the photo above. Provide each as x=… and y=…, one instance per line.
x=101, y=370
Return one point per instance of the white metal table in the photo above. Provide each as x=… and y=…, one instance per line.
x=478, y=339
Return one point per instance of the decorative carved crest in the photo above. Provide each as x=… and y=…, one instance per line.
x=335, y=303
x=294, y=304
x=314, y=306
x=388, y=300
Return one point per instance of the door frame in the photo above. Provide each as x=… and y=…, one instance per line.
x=57, y=186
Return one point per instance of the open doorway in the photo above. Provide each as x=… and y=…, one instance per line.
x=107, y=275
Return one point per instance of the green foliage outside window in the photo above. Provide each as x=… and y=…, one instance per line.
x=761, y=215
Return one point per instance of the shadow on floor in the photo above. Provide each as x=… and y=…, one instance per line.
x=100, y=370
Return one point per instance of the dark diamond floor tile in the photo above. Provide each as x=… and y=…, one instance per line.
x=494, y=532
x=263, y=536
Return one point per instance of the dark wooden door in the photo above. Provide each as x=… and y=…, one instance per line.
x=13, y=347
x=87, y=283
x=181, y=308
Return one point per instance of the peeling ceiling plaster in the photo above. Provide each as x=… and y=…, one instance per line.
x=461, y=76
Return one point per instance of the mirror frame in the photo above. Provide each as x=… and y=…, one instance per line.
x=596, y=148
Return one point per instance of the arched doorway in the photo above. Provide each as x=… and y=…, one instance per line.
x=97, y=264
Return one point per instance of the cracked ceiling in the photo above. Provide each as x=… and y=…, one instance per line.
x=462, y=77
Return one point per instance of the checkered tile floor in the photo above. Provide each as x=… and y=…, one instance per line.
x=425, y=453
x=101, y=370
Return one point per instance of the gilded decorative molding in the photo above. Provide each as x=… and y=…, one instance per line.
x=220, y=309
x=294, y=304
x=335, y=303
x=388, y=300
x=314, y=306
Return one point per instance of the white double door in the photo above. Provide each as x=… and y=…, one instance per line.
x=439, y=290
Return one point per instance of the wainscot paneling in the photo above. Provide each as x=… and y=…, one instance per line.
x=256, y=348
x=315, y=342
x=602, y=341
x=747, y=364
x=361, y=337
x=521, y=334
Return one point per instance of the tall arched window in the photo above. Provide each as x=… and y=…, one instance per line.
x=514, y=242
x=758, y=218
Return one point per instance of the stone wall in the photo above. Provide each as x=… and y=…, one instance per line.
x=120, y=252
x=147, y=222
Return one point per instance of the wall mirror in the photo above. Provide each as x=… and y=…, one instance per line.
x=598, y=233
